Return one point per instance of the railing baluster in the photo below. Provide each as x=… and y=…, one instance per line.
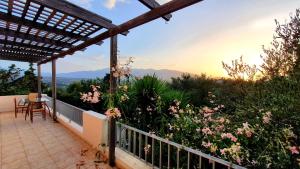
x=120, y=135
x=129, y=140
x=214, y=165
x=146, y=145
x=140, y=145
x=152, y=152
x=200, y=162
x=177, y=158
x=134, y=142
x=160, y=154
x=168, y=156
x=188, y=164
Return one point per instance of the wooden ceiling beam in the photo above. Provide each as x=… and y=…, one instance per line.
x=30, y=37
x=36, y=25
x=151, y=4
x=23, y=45
x=158, y=12
x=19, y=58
x=76, y=11
x=18, y=49
x=15, y=51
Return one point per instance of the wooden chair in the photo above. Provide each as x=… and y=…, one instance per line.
x=18, y=107
x=36, y=109
x=32, y=97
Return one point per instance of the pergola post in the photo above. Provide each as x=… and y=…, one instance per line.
x=54, y=89
x=39, y=80
x=113, y=87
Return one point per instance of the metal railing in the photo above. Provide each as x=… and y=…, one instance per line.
x=71, y=112
x=162, y=153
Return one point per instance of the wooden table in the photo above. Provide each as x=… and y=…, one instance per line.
x=41, y=105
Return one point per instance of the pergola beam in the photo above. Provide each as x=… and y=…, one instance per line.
x=19, y=51
x=37, y=25
x=24, y=36
x=151, y=4
x=28, y=46
x=76, y=11
x=162, y=10
x=21, y=58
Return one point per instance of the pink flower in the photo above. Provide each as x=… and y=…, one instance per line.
x=294, y=150
x=222, y=151
x=222, y=120
x=173, y=109
x=207, y=110
x=113, y=112
x=229, y=136
x=239, y=131
x=220, y=127
x=234, y=139
x=207, y=130
x=248, y=133
x=267, y=117
x=206, y=145
x=238, y=160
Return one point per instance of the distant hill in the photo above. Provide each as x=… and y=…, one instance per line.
x=164, y=74
x=64, y=79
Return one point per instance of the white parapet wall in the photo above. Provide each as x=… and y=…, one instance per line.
x=95, y=131
x=7, y=102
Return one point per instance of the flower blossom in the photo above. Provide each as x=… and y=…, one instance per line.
x=267, y=117
x=229, y=136
x=147, y=148
x=294, y=150
x=113, y=112
x=207, y=131
x=206, y=145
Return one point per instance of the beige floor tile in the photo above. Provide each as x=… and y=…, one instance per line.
x=39, y=145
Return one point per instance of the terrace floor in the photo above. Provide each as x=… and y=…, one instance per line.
x=40, y=145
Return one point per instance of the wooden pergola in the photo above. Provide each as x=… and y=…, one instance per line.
x=42, y=31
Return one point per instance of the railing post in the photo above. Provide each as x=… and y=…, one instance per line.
x=54, y=89
x=39, y=80
x=113, y=87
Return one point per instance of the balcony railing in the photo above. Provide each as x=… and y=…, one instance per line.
x=71, y=112
x=162, y=153
x=155, y=151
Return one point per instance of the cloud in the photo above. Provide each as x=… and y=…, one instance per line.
x=163, y=1
x=84, y=3
x=110, y=4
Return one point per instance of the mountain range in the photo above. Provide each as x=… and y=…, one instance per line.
x=164, y=74
x=64, y=79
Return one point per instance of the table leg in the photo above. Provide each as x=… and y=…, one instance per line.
x=31, y=114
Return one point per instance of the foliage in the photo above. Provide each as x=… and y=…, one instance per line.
x=149, y=101
x=7, y=79
x=11, y=81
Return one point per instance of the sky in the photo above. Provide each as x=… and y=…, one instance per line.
x=196, y=40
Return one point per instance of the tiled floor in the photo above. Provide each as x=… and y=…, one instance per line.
x=39, y=145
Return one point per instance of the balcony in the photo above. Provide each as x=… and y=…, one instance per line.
x=46, y=144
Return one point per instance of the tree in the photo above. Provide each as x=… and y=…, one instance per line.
x=239, y=70
x=8, y=78
x=283, y=57
x=30, y=79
